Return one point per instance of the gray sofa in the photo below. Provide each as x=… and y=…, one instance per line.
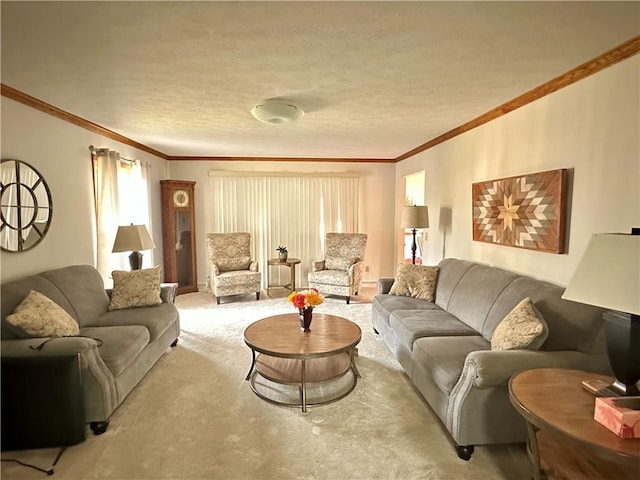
x=445, y=346
x=117, y=348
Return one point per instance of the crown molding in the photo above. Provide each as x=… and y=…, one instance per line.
x=607, y=59
x=18, y=96
x=281, y=159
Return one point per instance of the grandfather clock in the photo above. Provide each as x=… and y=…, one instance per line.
x=179, y=234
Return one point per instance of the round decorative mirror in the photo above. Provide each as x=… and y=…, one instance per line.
x=25, y=206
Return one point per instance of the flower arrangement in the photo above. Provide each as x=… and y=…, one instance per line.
x=305, y=298
x=282, y=249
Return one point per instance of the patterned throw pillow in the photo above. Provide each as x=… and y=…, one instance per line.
x=523, y=327
x=232, y=264
x=39, y=316
x=137, y=288
x=337, y=263
x=417, y=281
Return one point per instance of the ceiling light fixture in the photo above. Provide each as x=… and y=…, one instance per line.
x=274, y=112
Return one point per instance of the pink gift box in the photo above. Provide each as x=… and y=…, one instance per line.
x=621, y=415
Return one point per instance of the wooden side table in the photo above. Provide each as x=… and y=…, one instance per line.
x=564, y=438
x=289, y=262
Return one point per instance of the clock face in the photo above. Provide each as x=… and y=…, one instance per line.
x=180, y=198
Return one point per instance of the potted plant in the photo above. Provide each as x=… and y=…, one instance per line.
x=282, y=253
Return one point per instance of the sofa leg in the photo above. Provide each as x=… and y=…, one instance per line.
x=348, y=300
x=257, y=295
x=376, y=331
x=175, y=342
x=464, y=451
x=98, y=428
x=218, y=300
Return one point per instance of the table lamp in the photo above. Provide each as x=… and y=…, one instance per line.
x=608, y=276
x=133, y=238
x=414, y=217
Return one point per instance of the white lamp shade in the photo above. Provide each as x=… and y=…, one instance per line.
x=415, y=216
x=608, y=274
x=277, y=112
x=132, y=238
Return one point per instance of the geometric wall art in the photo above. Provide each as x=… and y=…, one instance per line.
x=527, y=211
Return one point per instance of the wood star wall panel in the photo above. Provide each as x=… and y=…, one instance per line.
x=527, y=211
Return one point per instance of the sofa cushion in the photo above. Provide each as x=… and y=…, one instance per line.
x=451, y=272
x=410, y=325
x=385, y=304
x=137, y=288
x=330, y=277
x=230, y=264
x=477, y=292
x=416, y=281
x=522, y=327
x=83, y=287
x=39, y=316
x=118, y=346
x=156, y=319
x=443, y=357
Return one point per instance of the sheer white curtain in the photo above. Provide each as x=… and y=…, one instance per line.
x=295, y=211
x=121, y=198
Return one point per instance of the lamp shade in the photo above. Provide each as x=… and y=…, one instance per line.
x=608, y=274
x=274, y=112
x=415, y=217
x=132, y=238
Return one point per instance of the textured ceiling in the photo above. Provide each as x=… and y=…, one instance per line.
x=375, y=79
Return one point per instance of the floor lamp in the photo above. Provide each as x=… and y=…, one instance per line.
x=608, y=276
x=133, y=238
x=415, y=217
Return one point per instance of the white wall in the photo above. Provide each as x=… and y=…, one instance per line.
x=376, y=203
x=591, y=128
x=60, y=152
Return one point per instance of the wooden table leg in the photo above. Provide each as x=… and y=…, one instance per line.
x=293, y=277
x=538, y=473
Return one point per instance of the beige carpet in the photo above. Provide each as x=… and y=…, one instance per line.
x=195, y=417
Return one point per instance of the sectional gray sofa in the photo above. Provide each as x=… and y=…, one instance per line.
x=444, y=346
x=117, y=348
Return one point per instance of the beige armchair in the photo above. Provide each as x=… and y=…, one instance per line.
x=231, y=269
x=340, y=273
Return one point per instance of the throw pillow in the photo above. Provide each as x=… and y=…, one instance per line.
x=137, y=288
x=232, y=264
x=417, y=281
x=338, y=263
x=39, y=316
x=523, y=327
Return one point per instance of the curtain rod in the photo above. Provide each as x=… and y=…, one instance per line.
x=93, y=149
x=237, y=173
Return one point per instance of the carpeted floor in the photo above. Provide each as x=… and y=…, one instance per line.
x=195, y=417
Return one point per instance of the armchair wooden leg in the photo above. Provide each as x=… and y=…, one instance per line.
x=348, y=298
x=257, y=295
x=218, y=300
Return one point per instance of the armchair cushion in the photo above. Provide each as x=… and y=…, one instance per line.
x=137, y=288
x=228, y=264
x=415, y=281
x=338, y=263
x=39, y=316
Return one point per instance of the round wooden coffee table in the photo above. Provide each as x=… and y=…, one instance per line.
x=288, y=356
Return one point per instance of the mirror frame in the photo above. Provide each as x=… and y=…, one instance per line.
x=5, y=226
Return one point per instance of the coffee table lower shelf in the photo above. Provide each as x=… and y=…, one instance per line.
x=304, y=382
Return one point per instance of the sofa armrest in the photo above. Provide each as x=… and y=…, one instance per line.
x=253, y=266
x=491, y=368
x=384, y=284
x=168, y=292
x=27, y=347
x=317, y=265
